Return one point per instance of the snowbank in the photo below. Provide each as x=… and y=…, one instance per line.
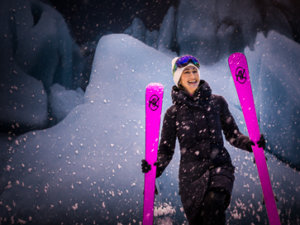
x=62, y=101
x=85, y=166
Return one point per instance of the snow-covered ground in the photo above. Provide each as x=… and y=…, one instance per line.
x=86, y=169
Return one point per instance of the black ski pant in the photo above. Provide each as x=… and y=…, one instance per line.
x=210, y=212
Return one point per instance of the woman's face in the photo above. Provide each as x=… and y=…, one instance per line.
x=190, y=79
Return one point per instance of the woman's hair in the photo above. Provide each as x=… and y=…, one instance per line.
x=180, y=85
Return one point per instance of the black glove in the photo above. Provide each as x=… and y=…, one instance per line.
x=261, y=143
x=249, y=145
x=146, y=167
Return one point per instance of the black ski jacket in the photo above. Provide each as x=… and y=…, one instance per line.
x=198, y=121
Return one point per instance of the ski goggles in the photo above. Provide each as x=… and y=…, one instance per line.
x=184, y=61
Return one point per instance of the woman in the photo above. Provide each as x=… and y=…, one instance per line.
x=197, y=118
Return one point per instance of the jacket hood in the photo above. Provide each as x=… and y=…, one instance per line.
x=181, y=97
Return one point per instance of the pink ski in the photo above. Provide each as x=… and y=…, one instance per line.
x=154, y=97
x=239, y=70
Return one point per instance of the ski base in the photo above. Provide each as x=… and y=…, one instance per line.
x=239, y=69
x=153, y=105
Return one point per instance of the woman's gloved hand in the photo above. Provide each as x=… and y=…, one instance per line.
x=146, y=167
x=261, y=143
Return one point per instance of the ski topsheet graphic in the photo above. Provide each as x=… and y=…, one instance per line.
x=239, y=70
x=153, y=104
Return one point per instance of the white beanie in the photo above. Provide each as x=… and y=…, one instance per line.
x=177, y=73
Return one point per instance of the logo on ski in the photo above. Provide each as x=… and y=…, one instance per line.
x=240, y=75
x=153, y=102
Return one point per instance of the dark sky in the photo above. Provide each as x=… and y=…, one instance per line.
x=88, y=19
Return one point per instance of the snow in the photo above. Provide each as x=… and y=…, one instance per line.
x=69, y=172
x=276, y=82
x=86, y=169
x=62, y=101
x=23, y=100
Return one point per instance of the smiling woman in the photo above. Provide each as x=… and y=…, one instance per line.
x=186, y=74
x=190, y=79
x=197, y=118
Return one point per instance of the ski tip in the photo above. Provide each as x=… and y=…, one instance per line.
x=235, y=57
x=155, y=86
x=236, y=54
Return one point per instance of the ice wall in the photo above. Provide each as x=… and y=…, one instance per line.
x=211, y=30
x=36, y=52
x=275, y=69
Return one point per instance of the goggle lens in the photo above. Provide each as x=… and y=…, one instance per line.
x=184, y=61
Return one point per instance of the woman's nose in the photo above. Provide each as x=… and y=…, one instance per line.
x=194, y=75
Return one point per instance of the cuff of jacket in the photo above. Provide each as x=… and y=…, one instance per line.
x=241, y=141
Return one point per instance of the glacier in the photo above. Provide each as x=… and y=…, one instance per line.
x=37, y=51
x=86, y=169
